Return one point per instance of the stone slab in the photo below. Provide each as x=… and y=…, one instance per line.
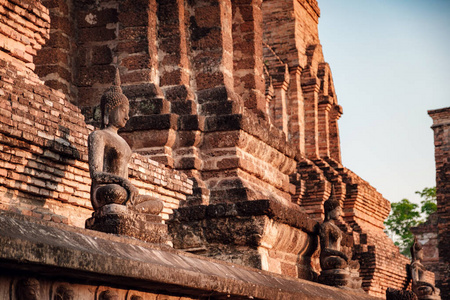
x=78, y=254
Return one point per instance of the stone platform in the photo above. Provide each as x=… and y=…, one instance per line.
x=90, y=262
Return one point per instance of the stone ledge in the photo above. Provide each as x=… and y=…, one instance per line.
x=151, y=122
x=76, y=254
x=291, y=215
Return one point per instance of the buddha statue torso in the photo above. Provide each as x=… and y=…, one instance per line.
x=331, y=256
x=109, y=155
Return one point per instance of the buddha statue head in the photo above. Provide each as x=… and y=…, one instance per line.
x=332, y=207
x=114, y=105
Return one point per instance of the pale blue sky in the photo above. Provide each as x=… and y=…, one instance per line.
x=390, y=61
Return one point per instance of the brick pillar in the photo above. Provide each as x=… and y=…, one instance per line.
x=212, y=61
x=97, y=25
x=175, y=70
x=280, y=107
x=118, y=34
x=56, y=60
x=311, y=87
x=152, y=129
x=212, y=45
x=335, y=144
x=136, y=51
x=280, y=103
x=248, y=54
x=174, y=65
x=441, y=128
x=323, y=127
x=296, y=110
x=289, y=27
x=329, y=146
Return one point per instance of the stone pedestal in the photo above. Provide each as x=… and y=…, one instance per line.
x=118, y=219
x=335, y=277
x=430, y=297
x=423, y=292
x=343, y=278
x=394, y=294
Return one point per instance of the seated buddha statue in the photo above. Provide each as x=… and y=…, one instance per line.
x=337, y=268
x=109, y=155
x=422, y=288
x=330, y=237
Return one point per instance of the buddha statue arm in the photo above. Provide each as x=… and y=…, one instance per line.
x=332, y=252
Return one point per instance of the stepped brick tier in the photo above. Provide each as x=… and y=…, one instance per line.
x=233, y=126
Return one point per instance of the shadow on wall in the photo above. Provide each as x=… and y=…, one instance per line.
x=37, y=178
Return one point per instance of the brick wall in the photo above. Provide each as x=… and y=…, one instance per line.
x=56, y=60
x=24, y=27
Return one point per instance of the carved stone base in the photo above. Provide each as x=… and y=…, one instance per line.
x=393, y=294
x=118, y=219
x=335, y=277
x=430, y=297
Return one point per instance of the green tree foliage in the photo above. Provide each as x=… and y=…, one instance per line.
x=405, y=214
x=428, y=204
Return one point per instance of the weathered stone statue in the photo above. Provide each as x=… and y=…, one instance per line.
x=64, y=292
x=423, y=289
x=108, y=295
x=118, y=206
x=337, y=269
x=28, y=289
x=109, y=155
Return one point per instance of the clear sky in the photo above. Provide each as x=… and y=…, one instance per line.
x=390, y=61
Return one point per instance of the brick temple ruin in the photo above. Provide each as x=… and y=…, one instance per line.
x=234, y=125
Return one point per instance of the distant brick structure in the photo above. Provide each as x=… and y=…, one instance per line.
x=427, y=233
x=233, y=120
x=441, y=128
